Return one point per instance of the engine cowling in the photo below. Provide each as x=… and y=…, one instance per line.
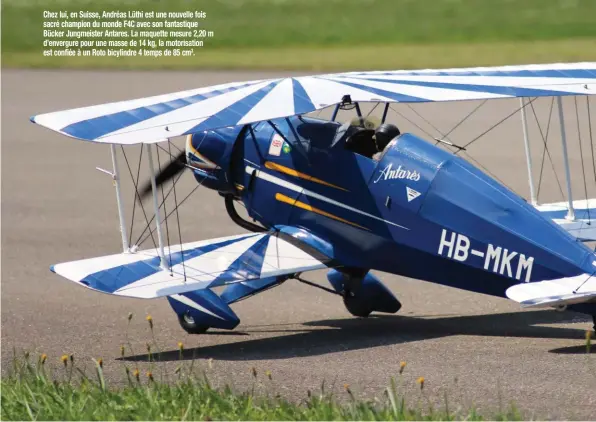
x=209, y=154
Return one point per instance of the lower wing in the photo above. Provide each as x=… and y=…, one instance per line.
x=582, y=227
x=553, y=293
x=196, y=265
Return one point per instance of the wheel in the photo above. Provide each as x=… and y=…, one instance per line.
x=189, y=325
x=356, y=306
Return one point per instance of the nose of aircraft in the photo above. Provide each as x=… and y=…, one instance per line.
x=209, y=149
x=209, y=154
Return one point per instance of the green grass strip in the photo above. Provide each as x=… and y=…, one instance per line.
x=34, y=392
x=277, y=23
x=41, y=391
x=316, y=35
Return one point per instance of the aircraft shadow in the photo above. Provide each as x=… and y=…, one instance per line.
x=329, y=336
x=574, y=350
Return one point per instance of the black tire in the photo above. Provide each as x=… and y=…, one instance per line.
x=191, y=327
x=356, y=307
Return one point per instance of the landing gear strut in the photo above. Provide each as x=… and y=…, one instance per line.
x=361, y=291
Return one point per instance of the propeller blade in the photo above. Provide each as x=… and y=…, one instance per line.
x=175, y=166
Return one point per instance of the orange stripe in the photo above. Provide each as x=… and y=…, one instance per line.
x=287, y=200
x=274, y=166
x=208, y=164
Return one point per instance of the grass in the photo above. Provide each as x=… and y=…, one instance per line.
x=33, y=392
x=40, y=391
x=334, y=34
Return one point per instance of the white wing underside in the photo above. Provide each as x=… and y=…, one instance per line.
x=554, y=293
x=206, y=264
x=583, y=224
x=158, y=118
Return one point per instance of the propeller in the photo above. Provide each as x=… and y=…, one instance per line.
x=177, y=165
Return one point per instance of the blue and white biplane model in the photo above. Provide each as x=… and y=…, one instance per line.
x=349, y=198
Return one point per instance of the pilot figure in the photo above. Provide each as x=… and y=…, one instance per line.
x=383, y=135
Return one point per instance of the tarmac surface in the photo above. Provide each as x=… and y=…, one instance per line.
x=478, y=350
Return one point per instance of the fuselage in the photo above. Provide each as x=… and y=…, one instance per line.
x=419, y=211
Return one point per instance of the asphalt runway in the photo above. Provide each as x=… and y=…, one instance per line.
x=479, y=350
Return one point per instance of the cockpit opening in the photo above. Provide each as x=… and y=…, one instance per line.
x=366, y=136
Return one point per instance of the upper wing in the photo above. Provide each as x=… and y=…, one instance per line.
x=197, y=265
x=154, y=119
x=552, y=293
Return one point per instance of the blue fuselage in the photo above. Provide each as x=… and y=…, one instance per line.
x=419, y=211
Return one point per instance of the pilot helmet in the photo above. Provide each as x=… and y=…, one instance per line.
x=384, y=134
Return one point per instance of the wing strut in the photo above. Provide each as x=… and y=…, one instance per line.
x=385, y=113
x=335, y=111
x=522, y=103
x=162, y=257
x=116, y=178
x=571, y=214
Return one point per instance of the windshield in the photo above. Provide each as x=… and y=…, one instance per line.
x=354, y=125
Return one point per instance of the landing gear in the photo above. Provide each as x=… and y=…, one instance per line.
x=188, y=323
x=363, y=293
x=356, y=306
x=202, y=309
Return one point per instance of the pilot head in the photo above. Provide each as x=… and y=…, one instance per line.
x=384, y=134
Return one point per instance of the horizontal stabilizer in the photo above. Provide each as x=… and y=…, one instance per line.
x=582, y=227
x=553, y=293
x=192, y=266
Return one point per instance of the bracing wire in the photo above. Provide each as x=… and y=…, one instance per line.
x=409, y=120
x=171, y=212
x=444, y=136
x=545, y=141
x=153, y=217
x=495, y=125
x=425, y=120
x=581, y=154
x=138, y=196
x=167, y=215
x=584, y=282
x=372, y=109
x=467, y=117
x=134, y=202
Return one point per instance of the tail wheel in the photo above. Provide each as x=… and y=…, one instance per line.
x=189, y=325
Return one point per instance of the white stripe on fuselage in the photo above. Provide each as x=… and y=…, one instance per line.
x=299, y=189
